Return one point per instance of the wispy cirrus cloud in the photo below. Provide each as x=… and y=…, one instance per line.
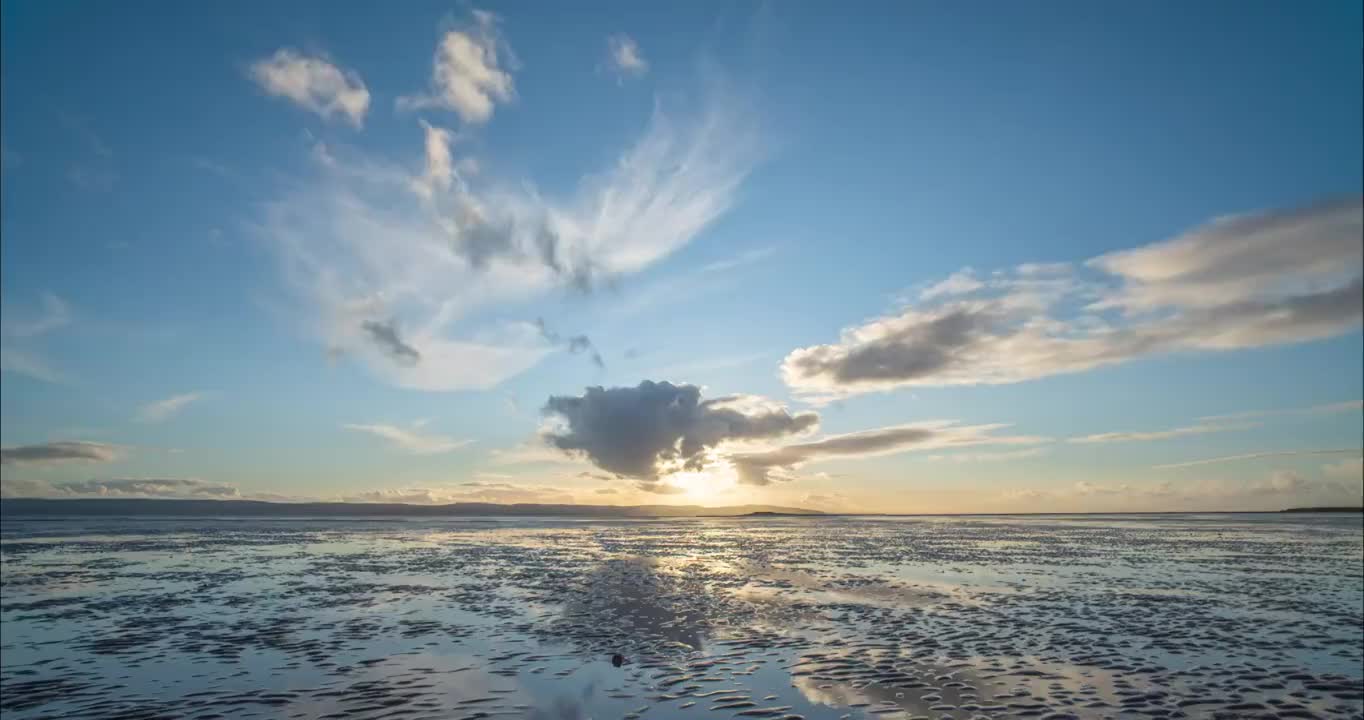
x=30, y=364
x=1245, y=281
x=1326, y=409
x=412, y=440
x=313, y=83
x=531, y=453
x=765, y=467
x=165, y=409
x=1254, y=456
x=95, y=170
x=368, y=243
x=62, y=451
x=21, y=331
x=1145, y=435
x=1000, y=456
x=747, y=257
x=53, y=314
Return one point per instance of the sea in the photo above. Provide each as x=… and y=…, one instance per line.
x=1074, y=616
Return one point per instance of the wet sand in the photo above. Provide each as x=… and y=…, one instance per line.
x=1136, y=617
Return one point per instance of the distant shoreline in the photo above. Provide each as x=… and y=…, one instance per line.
x=187, y=507
x=178, y=507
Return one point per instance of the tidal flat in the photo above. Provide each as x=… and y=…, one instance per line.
x=1158, y=616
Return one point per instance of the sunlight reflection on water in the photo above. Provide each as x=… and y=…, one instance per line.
x=1156, y=616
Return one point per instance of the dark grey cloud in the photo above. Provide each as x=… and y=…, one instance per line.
x=1241, y=282
x=63, y=451
x=576, y=344
x=763, y=468
x=385, y=335
x=915, y=350
x=635, y=431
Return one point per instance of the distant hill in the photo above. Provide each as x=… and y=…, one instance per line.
x=774, y=513
x=257, y=508
x=1325, y=510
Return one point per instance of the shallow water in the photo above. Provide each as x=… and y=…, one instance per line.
x=965, y=617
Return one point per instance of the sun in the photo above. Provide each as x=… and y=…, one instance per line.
x=700, y=485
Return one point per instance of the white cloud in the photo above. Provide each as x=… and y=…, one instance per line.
x=1133, y=436
x=147, y=488
x=1242, y=282
x=834, y=502
x=440, y=167
x=367, y=243
x=1350, y=469
x=1276, y=490
x=469, y=492
x=315, y=84
x=194, y=488
x=625, y=57
x=1085, y=487
x=1241, y=259
x=467, y=73
x=118, y=488
x=1281, y=482
x=962, y=282
x=20, y=487
x=413, y=440
x=163, y=410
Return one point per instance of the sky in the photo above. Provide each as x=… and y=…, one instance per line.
x=923, y=257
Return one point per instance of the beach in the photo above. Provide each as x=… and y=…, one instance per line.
x=1255, y=615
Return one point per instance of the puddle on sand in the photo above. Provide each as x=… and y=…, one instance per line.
x=1139, y=617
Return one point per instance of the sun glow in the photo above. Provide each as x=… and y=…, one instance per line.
x=702, y=485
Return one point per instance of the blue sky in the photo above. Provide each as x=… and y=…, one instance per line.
x=918, y=258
